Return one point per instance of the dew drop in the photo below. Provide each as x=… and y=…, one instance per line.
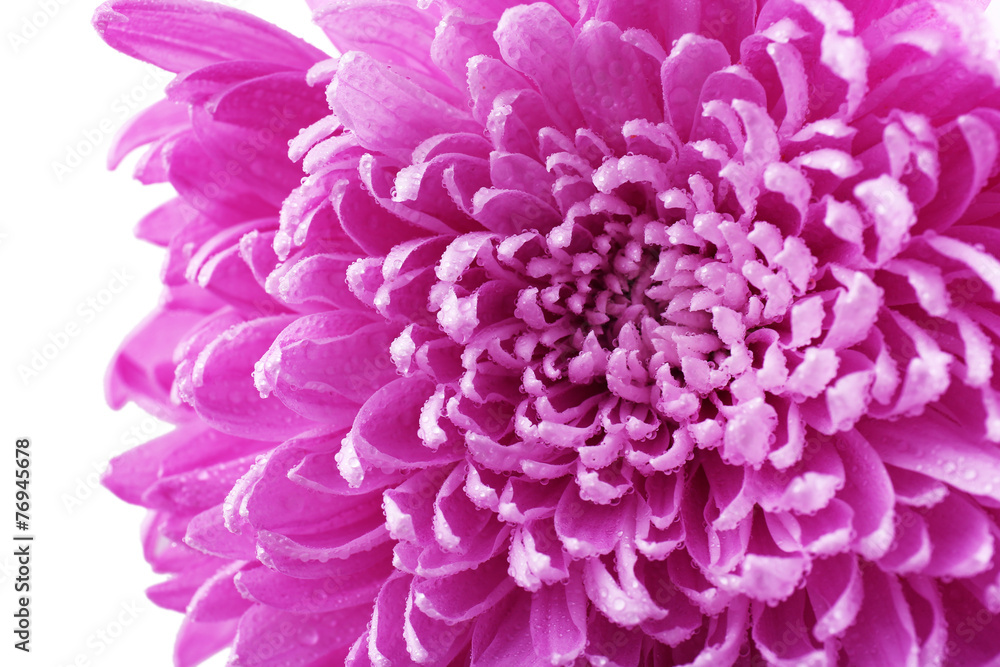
x=308, y=636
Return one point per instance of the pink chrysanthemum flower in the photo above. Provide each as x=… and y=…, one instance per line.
x=622, y=333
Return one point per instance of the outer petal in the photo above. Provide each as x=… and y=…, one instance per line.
x=216, y=380
x=180, y=35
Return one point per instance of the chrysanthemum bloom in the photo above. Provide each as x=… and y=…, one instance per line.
x=627, y=333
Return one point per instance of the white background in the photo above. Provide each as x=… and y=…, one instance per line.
x=62, y=237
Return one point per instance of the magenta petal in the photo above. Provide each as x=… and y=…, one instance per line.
x=176, y=592
x=217, y=599
x=513, y=211
x=196, y=642
x=488, y=77
x=385, y=110
x=162, y=546
x=159, y=120
x=180, y=35
x=165, y=221
x=219, y=385
x=464, y=595
x=586, y=529
x=386, y=646
x=326, y=365
x=559, y=621
x=198, y=87
x=430, y=641
x=883, y=633
x=605, y=72
x=281, y=102
x=537, y=41
x=317, y=280
x=309, y=596
x=927, y=608
x=503, y=636
x=363, y=209
x=684, y=73
x=191, y=169
x=142, y=370
x=459, y=37
x=977, y=627
x=319, y=471
x=970, y=151
x=621, y=647
x=963, y=538
x=268, y=636
x=207, y=532
x=780, y=634
x=725, y=640
x=130, y=474
x=321, y=522
x=386, y=431
x=394, y=32
x=197, y=490
x=868, y=490
x=900, y=443
x=911, y=547
x=868, y=11
x=835, y=593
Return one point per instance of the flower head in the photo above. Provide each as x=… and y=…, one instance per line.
x=620, y=333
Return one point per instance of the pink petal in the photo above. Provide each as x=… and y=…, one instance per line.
x=182, y=35
x=835, y=593
x=781, y=635
x=196, y=642
x=324, y=366
x=962, y=536
x=142, y=369
x=387, y=112
x=503, y=636
x=586, y=529
x=351, y=588
x=217, y=599
x=202, y=178
x=386, y=429
x=217, y=381
x=464, y=595
x=393, y=32
x=868, y=490
x=266, y=636
x=559, y=621
x=607, y=80
x=537, y=41
x=883, y=633
x=207, y=532
x=918, y=444
x=684, y=73
x=159, y=120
